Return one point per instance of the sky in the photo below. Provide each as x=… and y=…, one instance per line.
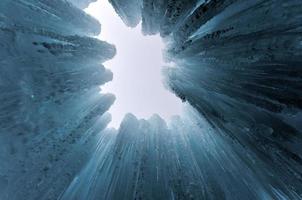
x=137, y=77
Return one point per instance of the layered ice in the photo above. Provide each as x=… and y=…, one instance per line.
x=237, y=63
x=51, y=109
x=187, y=159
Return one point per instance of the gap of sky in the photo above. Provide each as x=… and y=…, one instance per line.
x=137, y=69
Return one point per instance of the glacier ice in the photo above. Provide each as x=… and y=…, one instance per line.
x=237, y=65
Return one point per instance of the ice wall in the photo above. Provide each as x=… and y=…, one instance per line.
x=129, y=11
x=51, y=110
x=148, y=159
x=238, y=62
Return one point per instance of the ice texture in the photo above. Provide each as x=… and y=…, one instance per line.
x=51, y=110
x=129, y=11
x=81, y=3
x=237, y=65
x=187, y=159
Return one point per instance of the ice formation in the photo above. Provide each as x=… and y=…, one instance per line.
x=237, y=64
x=81, y=3
x=51, y=109
x=141, y=95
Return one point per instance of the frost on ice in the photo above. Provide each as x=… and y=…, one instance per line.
x=237, y=65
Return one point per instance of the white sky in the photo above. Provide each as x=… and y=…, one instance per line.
x=137, y=79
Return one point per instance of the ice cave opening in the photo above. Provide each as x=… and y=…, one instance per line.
x=236, y=64
x=137, y=69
